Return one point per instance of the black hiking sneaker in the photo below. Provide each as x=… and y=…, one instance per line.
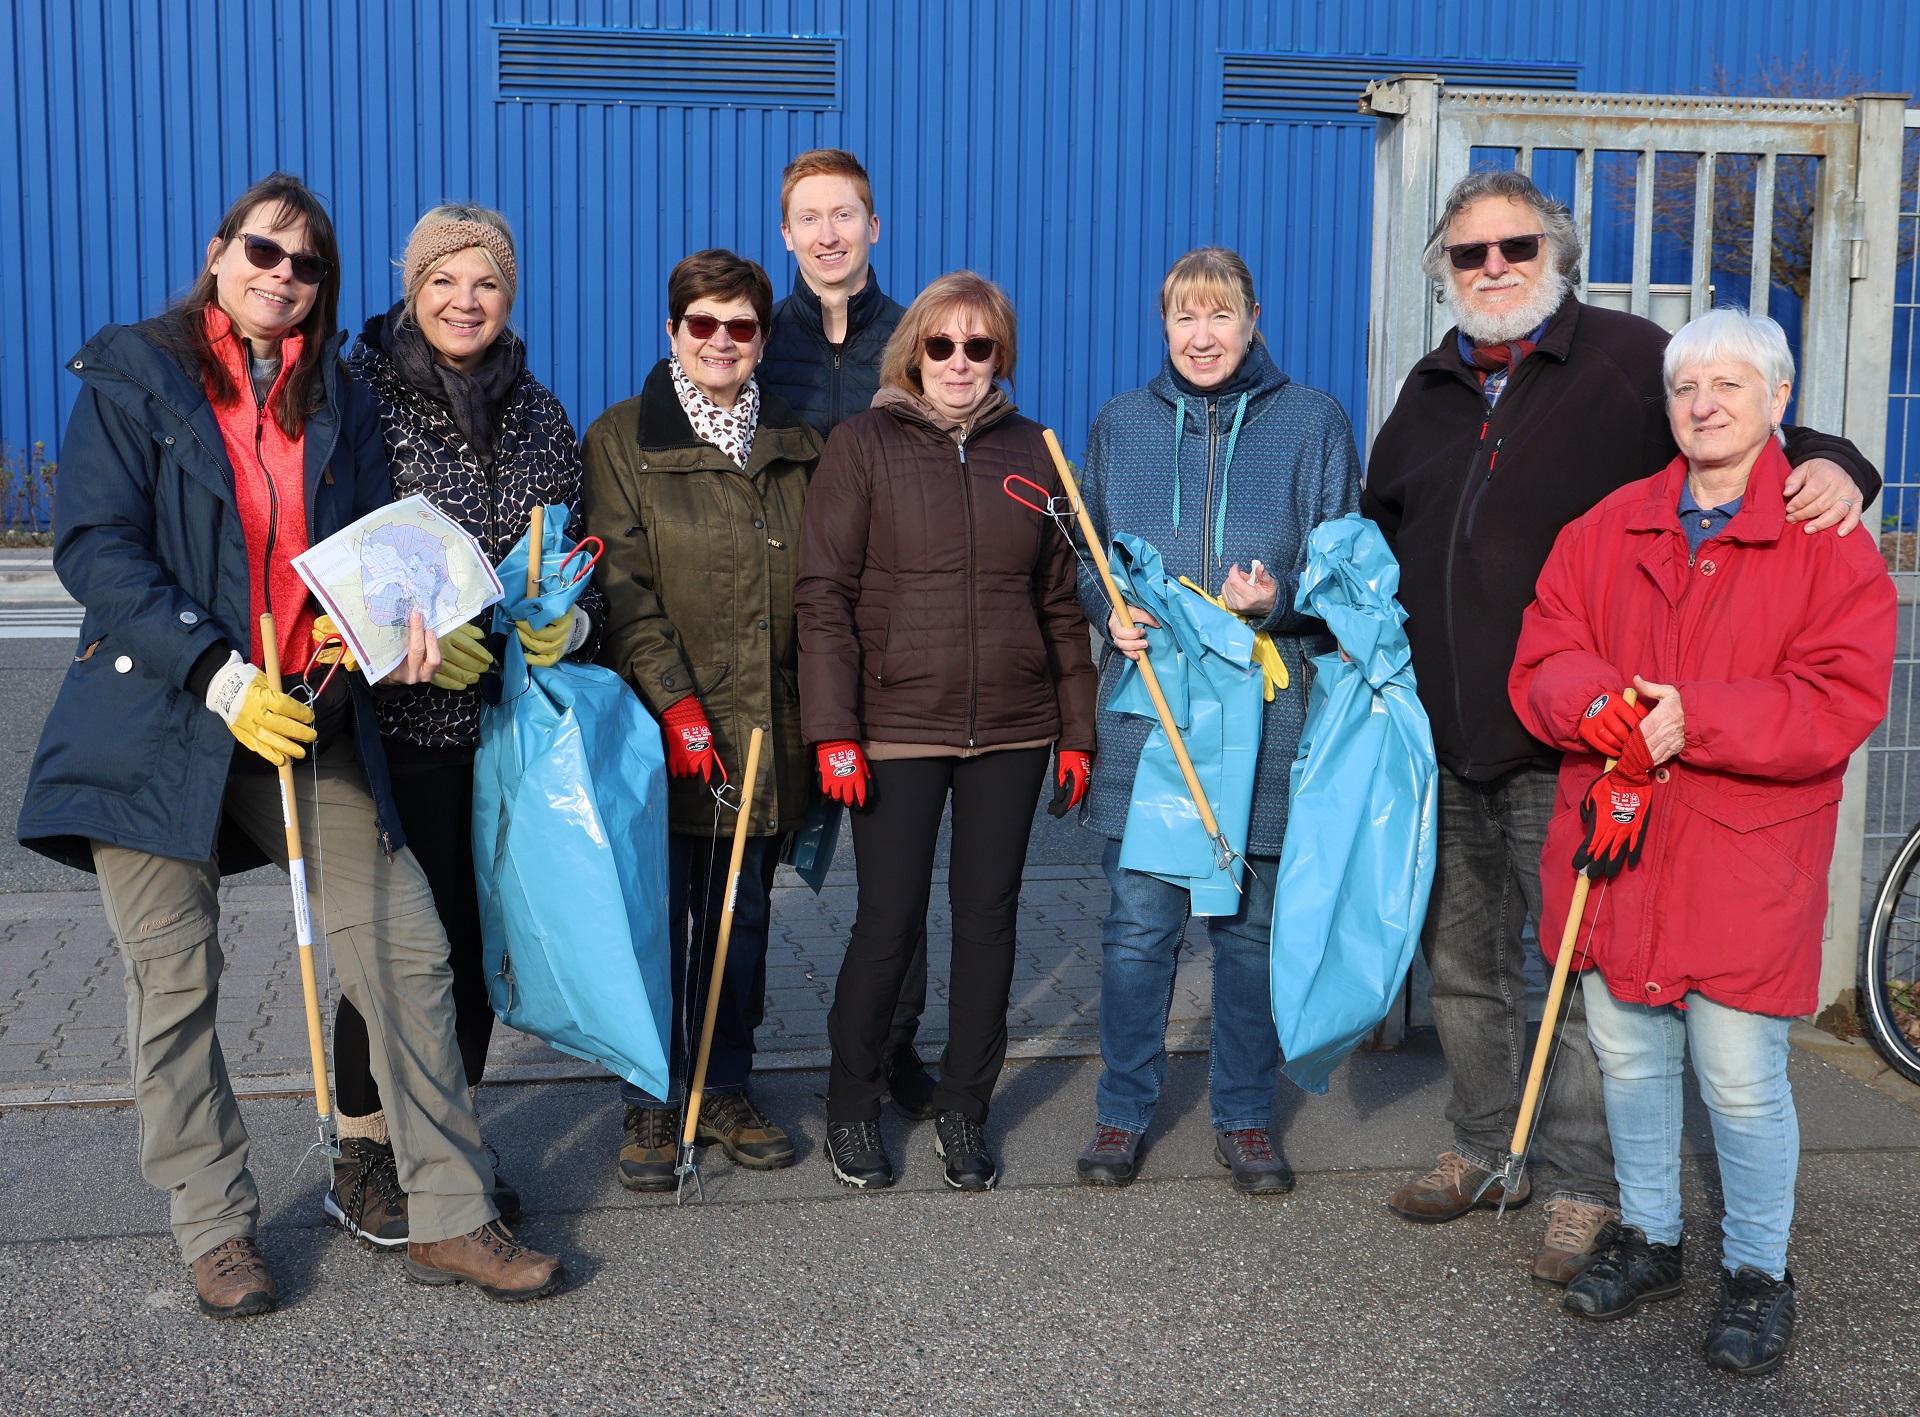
x=1749, y=1334
x=1257, y=1168
x=1626, y=1271
x=731, y=1121
x=858, y=1156
x=366, y=1200
x=961, y=1144
x=910, y=1086
x=649, y=1149
x=1112, y=1158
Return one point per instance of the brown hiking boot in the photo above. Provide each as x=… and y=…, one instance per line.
x=649, y=1150
x=743, y=1132
x=1573, y=1229
x=1446, y=1192
x=366, y=1200
x=234, y=1281
x=489, y=1259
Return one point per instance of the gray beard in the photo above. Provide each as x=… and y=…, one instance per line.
x=1522, y=319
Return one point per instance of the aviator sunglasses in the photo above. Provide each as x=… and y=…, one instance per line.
x=267, y=255
x=741, y=331
x=1472, y=255
x=978, y=350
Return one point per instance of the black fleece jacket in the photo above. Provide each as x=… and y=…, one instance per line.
x=824, y=384
x=1471, y=500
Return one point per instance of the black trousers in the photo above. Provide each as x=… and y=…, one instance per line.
x=436, y=812
x=893, y=840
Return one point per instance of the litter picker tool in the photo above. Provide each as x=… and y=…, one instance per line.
x=697, y=1089
x=1223, y=852
x=1551, y=1026
x=302, y=917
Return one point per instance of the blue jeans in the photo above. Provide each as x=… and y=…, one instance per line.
x=1140, y=943
x=1741, y=1061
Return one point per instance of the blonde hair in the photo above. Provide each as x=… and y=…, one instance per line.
x=454, y=215
x=958, y=290
x=1212, y=275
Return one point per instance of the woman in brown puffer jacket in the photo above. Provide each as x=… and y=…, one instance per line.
x=941, y=650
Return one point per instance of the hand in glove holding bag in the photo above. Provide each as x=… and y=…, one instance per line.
x=843, y=772
x=1071, y=773
x=266, y=722
x=545, y=646
x=1608, y=721
x=1614, y=812
x=690, y=741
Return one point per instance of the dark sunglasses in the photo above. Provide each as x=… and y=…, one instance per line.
x=1472, y=255
x=267, y=255
x=979, y=349
x=744, y=330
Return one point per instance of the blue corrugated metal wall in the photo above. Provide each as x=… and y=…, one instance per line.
x=1071, y=150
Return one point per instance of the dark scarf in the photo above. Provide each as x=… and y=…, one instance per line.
x=477, y=401
x=1499, y=358
x=1253, y=368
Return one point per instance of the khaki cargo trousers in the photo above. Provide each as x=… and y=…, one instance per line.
x=391, y=956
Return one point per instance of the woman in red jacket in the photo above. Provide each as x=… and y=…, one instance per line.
x=1765, y=656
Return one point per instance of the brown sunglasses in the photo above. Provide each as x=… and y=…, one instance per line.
x=1472, y=255
x=979, y=349
x=744, y=330
x=308, y=269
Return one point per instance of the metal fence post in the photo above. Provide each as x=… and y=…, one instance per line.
x=1399, y=326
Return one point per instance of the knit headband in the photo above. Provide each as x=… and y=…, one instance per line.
x=432, y=244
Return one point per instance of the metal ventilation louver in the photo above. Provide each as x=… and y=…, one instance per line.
x=679, y=67
x=1325, y=87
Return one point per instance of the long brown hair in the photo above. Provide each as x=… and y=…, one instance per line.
x=184, y=327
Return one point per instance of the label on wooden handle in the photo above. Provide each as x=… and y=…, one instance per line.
x=302, y=921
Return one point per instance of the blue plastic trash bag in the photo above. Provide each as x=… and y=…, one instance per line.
x=1359, y=854
x=570, y=844
x=1203, y=657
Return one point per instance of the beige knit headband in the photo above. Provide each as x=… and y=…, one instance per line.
x=432, y=244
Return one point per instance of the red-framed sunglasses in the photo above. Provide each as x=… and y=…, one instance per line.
x=744, y=330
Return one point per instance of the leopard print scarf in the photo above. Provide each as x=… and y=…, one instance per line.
x=728, y=429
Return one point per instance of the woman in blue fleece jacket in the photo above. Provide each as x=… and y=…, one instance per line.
x=1225, y=465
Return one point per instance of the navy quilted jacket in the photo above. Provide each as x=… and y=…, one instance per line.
x=1214, y=482
x=824, y=385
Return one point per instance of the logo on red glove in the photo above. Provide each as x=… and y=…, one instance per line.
x=1593, y=709
x=1626, y=805
x=844, y=762
x=697, y=738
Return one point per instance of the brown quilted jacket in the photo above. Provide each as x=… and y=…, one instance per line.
x=933, y=607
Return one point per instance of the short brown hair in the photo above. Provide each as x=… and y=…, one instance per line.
x=958, y=290
x=824, y=162
x=1216, y=276
x=715, y=274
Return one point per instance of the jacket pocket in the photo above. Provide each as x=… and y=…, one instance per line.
x=709, y=677
x=1789, y=822
x=109, y=727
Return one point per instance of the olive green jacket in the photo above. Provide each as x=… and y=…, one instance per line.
x=698, y=575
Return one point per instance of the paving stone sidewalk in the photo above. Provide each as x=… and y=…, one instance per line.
x=63, y=1010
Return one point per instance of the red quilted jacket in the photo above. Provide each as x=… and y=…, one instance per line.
x=1781, y=646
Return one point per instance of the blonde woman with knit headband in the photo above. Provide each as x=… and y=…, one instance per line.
x=466, y=425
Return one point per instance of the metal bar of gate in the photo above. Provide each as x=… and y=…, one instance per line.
x=1762, y=236
x=1702, y=274
x=1643, y=178
x=1583, y=212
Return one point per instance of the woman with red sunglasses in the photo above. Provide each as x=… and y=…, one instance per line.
x=696, y=486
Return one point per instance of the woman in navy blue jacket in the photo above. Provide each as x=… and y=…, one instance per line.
x=208, y=447
x=1225, y=465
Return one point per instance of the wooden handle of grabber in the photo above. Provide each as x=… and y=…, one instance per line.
x=1125, y=613
x=296, y=873
x=1542, y=1046
x=536, y=543
x=697, y=1091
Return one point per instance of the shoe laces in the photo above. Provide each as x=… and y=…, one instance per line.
x=1116, y=1140
x=1748, y=1297
x=495, y=1238
x=852, y=1138
x=376, y=1171
x=238, y=1257
x=1251, y=1144
x=1572, y=1225
x=1613, y=1258
x=1450, y=1173
x=961, y=1133
x=732, y=1109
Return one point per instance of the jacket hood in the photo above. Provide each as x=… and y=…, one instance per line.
x=915, y=411
x=664, y=425
x=1257, y=380
x=862, y=306
x=1264, y=375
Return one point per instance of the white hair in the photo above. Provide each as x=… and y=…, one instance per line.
x=1730, y=335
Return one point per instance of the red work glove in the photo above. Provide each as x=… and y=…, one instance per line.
x=690, y=741
x=1608, y=722
x=843, y=772
x=1615, y=811
x=1071, y=772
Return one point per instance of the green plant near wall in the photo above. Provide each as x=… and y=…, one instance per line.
x=26, y=495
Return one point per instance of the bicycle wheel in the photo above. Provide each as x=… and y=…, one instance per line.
x=1890, y=963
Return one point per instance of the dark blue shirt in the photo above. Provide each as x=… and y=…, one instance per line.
x=1702, y=523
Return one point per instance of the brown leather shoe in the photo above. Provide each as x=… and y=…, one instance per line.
x=234, y=1281
x=489, y=1259
x=1573, y=1230
x=743, y=1131
x=1446, y=1192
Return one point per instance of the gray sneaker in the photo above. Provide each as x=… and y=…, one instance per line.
x=1111, y=1158
x=1257, y=1168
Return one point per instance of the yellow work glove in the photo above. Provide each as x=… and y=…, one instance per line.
x=463, y=657
x=1266, y=654
x=274, y=725
x=324, y=628
x=545, y=645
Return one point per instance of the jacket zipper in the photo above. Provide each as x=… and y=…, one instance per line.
x=1473, y=506
x=273, y=499
x=1453, y=548
x=973, y=629
x=1206, y=504
x=833, y=381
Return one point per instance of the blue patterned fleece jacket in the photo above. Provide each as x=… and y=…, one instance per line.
x=1214, y=481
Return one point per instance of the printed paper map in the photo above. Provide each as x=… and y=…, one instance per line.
x=373, y=575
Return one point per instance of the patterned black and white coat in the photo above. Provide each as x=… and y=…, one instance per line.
x=537, y=463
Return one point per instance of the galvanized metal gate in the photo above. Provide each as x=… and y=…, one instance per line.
x=1426, y=138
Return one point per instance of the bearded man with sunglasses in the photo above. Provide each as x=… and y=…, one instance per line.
x=1533, y=408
